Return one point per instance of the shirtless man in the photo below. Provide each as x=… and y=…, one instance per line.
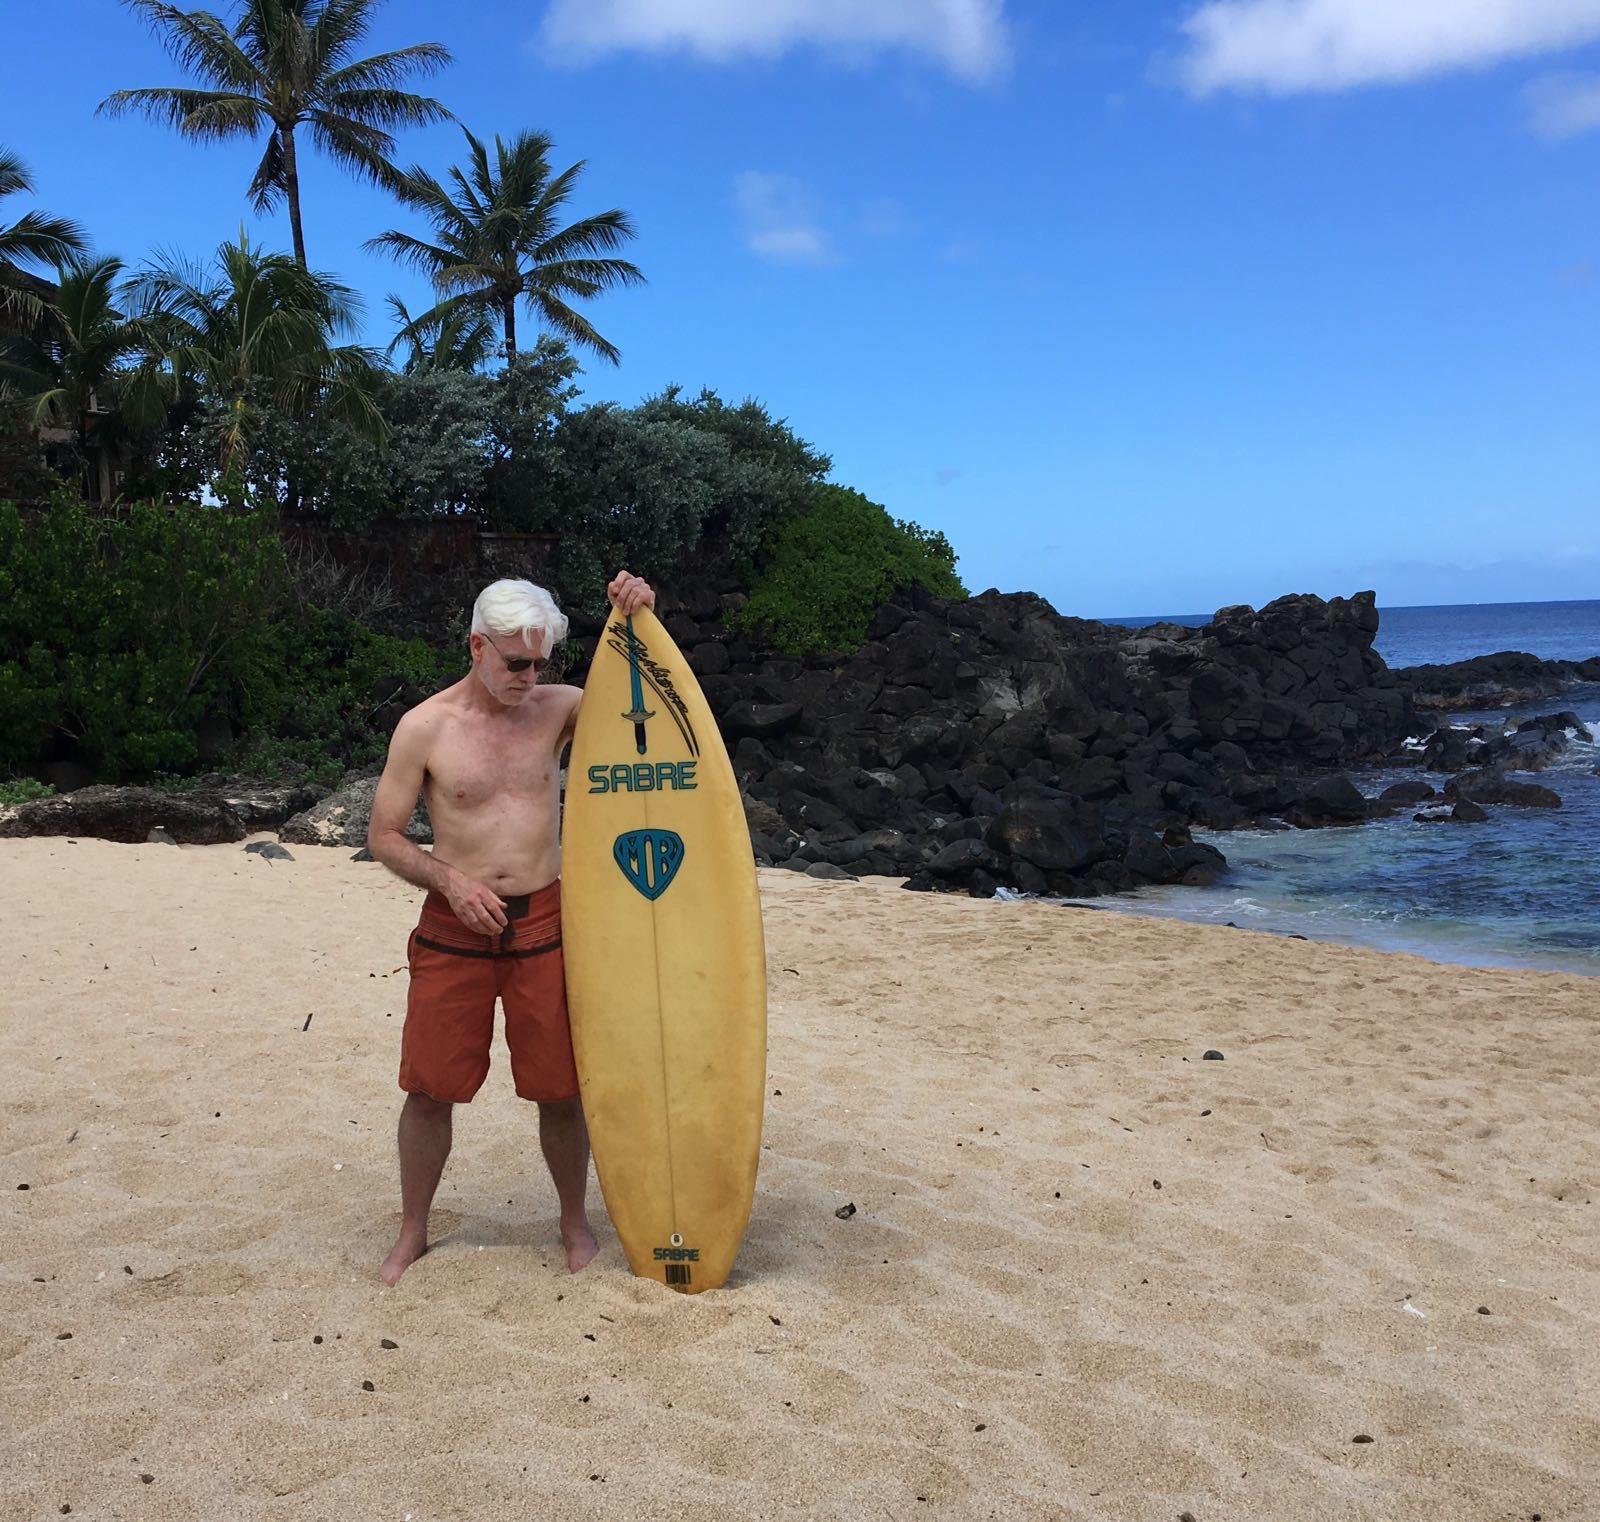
x=487, y=753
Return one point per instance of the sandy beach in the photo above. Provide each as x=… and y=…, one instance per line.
x=1350, y=1271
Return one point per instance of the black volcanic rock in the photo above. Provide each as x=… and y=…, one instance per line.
x=998, y=742
x=1489, y=785
x=1503, y=680
x=127, y=814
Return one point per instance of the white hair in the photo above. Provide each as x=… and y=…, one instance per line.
x=519, y=607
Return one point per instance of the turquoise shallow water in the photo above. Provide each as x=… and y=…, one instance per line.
x=1522, y=890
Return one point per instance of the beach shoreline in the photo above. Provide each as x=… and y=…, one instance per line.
x=1090, y=1273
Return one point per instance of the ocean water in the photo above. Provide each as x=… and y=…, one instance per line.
x=1521, y=890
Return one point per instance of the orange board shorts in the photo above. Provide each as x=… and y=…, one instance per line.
x=457, y=974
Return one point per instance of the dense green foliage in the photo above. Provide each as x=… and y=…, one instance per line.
x=120, y=633
x=829, y=568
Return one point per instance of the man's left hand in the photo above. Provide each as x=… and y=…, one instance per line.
x=630, y=593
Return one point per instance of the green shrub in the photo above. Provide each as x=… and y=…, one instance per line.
x=24, y=790
x=119, y=630
x=826, y=571
x=310, y=699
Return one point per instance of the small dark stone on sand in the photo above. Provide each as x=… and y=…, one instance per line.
x=24, y=1186
x=147, y=1479
x=844, y=1212
x=367, y=1384
x=774, y=1320
x=269, y=850
x=384, y=1342
x=1185, y=1516
x=363, y=855
x=1058, y=1194
x=980, y=1427
x=590, y=1337
x=65, y=1508
x=1483, y=1310
x=1362, y=1437
x=1204, y=1113
x=317, y=1338
x=127, y=1268
x=63, y=1336
x=583, y=1400
x=1156, y=1182
x=1294, y=935
x=1212, y=1056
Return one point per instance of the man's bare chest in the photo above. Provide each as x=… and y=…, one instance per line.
x=470, y=767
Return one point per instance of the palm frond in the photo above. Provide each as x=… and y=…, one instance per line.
x=576, y=327
x=38, y=238
x=585, y=277
x=590, y=235
x=201, y=43
x=362, y=149
x=271, y=179
x=339, y=26
x=386, y=71
x=385, y=107
x=201, y=114
x=14, y=176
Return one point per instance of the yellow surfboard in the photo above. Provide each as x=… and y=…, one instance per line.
x=666, y=967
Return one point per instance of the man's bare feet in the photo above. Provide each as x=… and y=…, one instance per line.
x=580, y=1244
x=407, y=1249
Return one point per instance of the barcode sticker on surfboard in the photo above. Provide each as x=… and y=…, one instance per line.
x=677, y=1273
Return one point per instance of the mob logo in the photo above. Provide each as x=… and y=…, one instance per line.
x=649, y=859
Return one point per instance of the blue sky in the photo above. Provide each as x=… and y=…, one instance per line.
x=1149, y=308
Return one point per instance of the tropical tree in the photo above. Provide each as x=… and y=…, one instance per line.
x=259, y=330
x=88, y=361
x=35, y=238
x=446, y=337
x=283, y=65
x=498, y=239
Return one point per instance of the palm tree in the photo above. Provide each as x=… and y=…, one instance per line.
x=499, y=239
x=76, y=371
x=81, y=370
x=259, y=328
x=446, y=337
x=34, y=238
x=287, y=63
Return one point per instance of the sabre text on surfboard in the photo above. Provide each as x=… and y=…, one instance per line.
x=643, y=777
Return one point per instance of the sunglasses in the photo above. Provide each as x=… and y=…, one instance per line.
x=520, y=662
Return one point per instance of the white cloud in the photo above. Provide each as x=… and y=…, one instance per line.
x=883, y=217
x=1563, y=105
x=967, y=36
x=1287, y=47
x=780, y=222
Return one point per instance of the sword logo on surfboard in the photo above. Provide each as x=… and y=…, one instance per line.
x=644, y=671
x=638, y=714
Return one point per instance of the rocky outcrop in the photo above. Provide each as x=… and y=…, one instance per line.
x=127, y=814
x=994, y=742
x=1490, y=785
x=340, y=819
x=1508, y=679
